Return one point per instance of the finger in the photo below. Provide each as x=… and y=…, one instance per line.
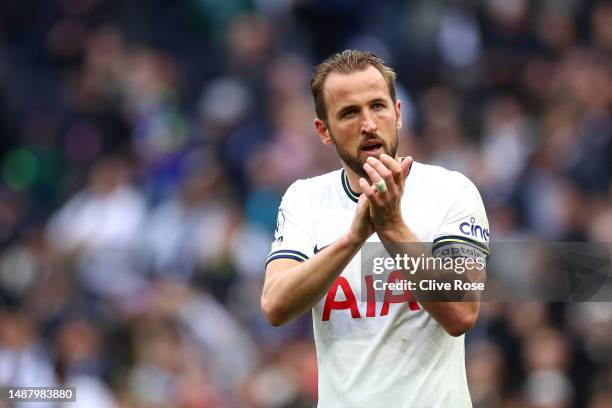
x=394, y=167
x=406, y=166
x=383, y=173
x=370, y=192
x=381, y=169
x=372, y=173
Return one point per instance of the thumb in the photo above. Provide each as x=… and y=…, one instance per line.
x=363, y=205
x=406, y=166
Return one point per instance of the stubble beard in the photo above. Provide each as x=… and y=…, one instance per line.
x=355, y=162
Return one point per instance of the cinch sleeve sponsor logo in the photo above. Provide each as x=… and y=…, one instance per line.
x=474, y=230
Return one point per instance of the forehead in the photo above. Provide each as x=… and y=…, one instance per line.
x=354, y=88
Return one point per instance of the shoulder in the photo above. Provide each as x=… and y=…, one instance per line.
x=315, y=186
x=437, y=174
x=445, y=182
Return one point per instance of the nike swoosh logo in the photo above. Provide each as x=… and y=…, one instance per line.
x=316, y=249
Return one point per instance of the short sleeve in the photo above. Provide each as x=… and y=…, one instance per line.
x=293, y=236
x=464, y=230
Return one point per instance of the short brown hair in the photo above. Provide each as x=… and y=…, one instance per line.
x=347, y=62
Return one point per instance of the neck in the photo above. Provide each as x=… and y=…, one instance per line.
x=353, y=179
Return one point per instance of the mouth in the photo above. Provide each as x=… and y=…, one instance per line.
x=372, y=147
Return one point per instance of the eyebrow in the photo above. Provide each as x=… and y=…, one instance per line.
x=377, y=100
x=349, y=107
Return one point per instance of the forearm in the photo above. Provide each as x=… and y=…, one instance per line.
x=289, y=292
x=456, y=317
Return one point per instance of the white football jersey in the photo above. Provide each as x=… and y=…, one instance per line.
x=382, y=354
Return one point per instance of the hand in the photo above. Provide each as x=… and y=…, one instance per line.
x=385, y=208
x=361, y=227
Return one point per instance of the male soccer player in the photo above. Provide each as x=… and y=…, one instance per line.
x=372, y=354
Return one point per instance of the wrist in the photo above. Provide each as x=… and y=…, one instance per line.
x=352, y=240
x=396, y=233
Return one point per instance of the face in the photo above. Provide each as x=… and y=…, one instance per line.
x=362, y=119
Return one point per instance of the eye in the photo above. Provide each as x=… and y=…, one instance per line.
x=348, y=113
x=378, y=105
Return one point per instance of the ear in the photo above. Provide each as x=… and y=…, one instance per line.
x=398, y=114
x=323, y=131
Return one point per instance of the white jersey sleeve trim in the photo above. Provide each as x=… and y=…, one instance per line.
x=293, y=238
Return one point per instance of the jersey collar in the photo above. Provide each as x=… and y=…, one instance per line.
x=353, y=196
x=347, y=187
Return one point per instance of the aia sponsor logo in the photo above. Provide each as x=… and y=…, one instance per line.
x=350, y=300
x=474, y=230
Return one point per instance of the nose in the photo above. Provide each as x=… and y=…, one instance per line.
x=367, y=123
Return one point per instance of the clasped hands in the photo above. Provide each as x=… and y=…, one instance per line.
x=379, y=207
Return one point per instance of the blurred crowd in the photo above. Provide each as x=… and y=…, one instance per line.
x=145, y=146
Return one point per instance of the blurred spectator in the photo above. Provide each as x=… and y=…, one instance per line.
x=145, y=147
x=100, y=227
